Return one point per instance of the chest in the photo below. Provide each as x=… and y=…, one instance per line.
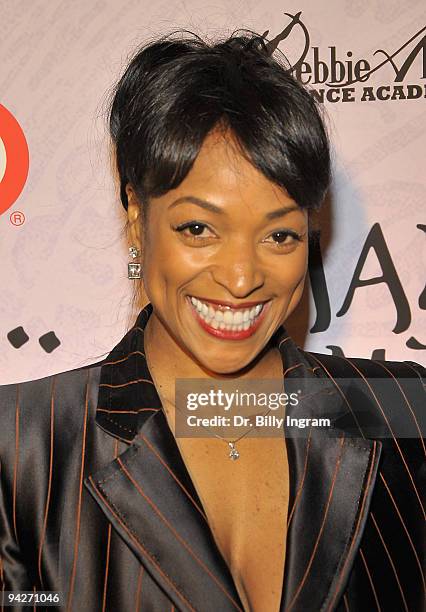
x=246, y=504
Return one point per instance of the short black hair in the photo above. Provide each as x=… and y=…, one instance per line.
x=177, y=89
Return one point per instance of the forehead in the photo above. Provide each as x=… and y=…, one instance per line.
x=222, y=172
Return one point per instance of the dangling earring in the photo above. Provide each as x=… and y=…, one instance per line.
x=134, y=269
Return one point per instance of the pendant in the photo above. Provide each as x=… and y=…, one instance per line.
x=233, y=453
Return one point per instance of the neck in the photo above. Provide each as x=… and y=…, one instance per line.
x=167, y=360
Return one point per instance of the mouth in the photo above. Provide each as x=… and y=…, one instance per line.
x=228, y=322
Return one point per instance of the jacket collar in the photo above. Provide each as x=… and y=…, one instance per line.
x=127, y=395
x=331, y=484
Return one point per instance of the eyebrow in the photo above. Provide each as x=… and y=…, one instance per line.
x=274, y=214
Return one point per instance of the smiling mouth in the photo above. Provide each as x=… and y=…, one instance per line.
x=228, y=322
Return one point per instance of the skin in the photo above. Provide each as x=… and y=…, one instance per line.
x=237, y=258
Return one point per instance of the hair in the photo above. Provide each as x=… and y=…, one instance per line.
x=176, y=90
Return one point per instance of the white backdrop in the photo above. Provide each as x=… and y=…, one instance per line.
x=65, y=296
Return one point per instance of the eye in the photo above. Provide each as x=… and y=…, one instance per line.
x=284, y=238
x=194, y=230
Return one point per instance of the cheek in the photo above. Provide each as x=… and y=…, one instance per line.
x=297, y=283
x=291, y=271
x=166, y=267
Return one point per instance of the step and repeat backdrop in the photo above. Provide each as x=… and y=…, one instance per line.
x=65, y=296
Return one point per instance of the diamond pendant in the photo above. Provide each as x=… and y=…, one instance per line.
x=233, y=453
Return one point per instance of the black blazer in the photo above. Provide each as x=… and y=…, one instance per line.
x=97, y=503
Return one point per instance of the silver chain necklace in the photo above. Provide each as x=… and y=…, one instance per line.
x=234, y=453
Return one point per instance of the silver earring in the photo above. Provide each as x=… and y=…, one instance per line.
x=134, y=269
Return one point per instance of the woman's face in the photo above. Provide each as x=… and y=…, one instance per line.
x=224, y=258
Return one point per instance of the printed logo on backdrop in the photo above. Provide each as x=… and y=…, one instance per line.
x=14, y=161
x=375, y=242
x=341, y=75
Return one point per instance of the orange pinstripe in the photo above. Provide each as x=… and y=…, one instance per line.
x=286, y=339
x=124, y=358
x=390, y=561
x=132, y=382
x=293, y=367
x=49, y=486
x=370, y=579
x=127, y=411
x=77, y=534
x=299, y=491
x=104, y=593
x=108, y=547
x=139, y=590
x=16, y=463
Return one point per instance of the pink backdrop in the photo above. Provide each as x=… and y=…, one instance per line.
x=65, y=296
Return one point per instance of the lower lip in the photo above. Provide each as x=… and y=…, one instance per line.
x=227, y=334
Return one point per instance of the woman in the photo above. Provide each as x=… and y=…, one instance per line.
x=221, y=156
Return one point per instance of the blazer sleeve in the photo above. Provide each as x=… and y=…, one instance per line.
x=14, y=575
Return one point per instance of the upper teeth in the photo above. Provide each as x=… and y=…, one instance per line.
x=229, y=319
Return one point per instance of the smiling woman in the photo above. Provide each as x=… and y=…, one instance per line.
x=221, y=156
x=243, y=243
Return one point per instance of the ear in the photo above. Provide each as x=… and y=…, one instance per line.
x=134, y=214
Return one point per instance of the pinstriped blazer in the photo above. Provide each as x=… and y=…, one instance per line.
x=96, y=501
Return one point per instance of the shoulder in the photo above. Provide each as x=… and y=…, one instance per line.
x=345, y=366
x=31, y=405
x=386, y=398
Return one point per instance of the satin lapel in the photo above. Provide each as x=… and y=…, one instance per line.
x=148, y=496
x=331, y=484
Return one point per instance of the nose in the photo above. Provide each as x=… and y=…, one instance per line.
x=238, y=270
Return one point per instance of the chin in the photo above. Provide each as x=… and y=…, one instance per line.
x=219, y=365
x=221, y=369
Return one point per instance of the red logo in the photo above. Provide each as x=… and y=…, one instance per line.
x=14, y=159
